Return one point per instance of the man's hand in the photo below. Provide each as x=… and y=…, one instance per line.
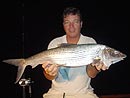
x=99, y=65
x=50, y=68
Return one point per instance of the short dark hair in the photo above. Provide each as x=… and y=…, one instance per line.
x=72, y=11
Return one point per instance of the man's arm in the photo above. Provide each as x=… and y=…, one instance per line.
x=94, y=68
x=92, y=71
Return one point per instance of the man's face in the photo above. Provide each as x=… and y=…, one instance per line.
x=72, y=25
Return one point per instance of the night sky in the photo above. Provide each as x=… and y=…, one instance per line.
x=28, y=26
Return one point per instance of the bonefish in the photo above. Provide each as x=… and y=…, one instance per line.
x=72, y=55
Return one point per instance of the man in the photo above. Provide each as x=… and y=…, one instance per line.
x=69, y=82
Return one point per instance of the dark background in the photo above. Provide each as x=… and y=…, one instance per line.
x=28, y=26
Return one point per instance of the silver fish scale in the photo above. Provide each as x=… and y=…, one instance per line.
x=66, y=55
x=74, y=55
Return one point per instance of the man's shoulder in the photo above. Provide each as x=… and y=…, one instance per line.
x=56, y=41
x=85, y=36
x=58, y=38
x=88, y=39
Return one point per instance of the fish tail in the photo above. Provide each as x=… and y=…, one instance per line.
x=21, y=66
x=20, y=73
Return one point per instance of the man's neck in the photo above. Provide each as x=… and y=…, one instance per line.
x=72, y=40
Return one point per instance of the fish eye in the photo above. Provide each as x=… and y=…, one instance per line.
x=116, y=52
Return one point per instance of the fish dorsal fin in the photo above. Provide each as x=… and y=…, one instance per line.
x=65, y=44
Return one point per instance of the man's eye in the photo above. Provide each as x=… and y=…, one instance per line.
x=76, y=21
x=66, y=22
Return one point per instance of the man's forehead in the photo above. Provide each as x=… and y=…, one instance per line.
x=71, y=16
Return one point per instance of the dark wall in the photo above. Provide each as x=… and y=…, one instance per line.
x=28, y=26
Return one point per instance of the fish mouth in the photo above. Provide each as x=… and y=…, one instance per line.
x=124, y=55
x=117, y=60
x=120, y=54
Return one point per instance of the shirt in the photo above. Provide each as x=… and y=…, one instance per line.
x=71, y=80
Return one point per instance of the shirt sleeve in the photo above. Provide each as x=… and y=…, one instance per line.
x=54, y=43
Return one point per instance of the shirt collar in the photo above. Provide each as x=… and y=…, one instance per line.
x=79, y=42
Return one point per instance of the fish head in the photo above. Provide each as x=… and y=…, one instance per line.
x=111, y=56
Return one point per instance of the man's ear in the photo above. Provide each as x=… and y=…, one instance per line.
x=81, y=23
